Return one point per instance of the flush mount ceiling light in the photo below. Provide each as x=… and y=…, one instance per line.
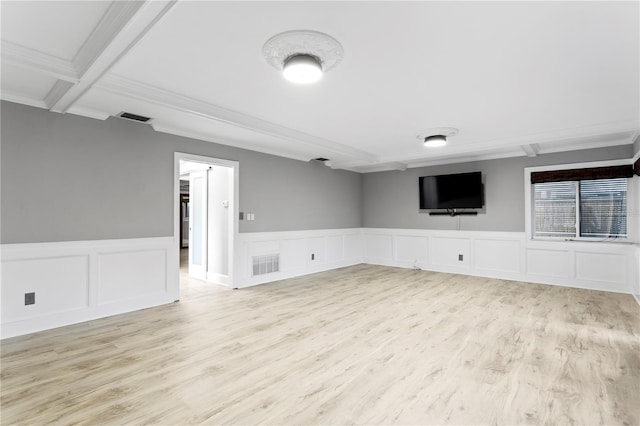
x=435, y=141
x=302, y=69
x=437, y=137
x=302, y=56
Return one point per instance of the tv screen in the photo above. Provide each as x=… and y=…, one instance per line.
x=459, y=191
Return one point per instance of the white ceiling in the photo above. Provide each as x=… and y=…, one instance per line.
x=516, y=78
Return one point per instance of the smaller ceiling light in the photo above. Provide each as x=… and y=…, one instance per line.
x=435, y=141
x=302, y=69
x=436, y=136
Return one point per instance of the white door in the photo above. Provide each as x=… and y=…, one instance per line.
x=198, y=225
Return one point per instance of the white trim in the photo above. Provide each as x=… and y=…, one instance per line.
x=235, y=165
x=528, y=218
x=20, y=99
x=501, y=255
x=197, y=108
x=226, y=141
x=86, y=112
x=122, y=27
x=43, y=63
x=504, y=255
x=601, y=135
x=73, y=280
x=295, y=248
x=112, y=22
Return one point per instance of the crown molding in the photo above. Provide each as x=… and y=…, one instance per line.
x=20, y=99
x=226, y=141
x=505, y=153
x=516, y=152
x=187, y=105
x=88, y=112
x=34, y=60
x=598, y=136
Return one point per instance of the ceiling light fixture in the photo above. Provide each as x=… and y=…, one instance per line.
x=435, y=141
x=302, y=69
x=437, y=137
x=302, y=56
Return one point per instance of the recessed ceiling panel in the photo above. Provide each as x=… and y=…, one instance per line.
x=58, y=28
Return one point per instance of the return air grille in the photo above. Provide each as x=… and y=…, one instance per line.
x=134, y=117
x=266, y=264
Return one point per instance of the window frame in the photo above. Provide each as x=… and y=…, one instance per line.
x=633, y=198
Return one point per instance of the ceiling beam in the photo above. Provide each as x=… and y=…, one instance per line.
x=123, y=25
x=531, y=149
x=195, y=107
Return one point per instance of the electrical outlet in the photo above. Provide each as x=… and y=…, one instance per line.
x=460, y=257
x=241, y=215
x=29, y=298
x=313, y=256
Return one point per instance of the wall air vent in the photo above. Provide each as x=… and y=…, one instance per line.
x=265, y=264
x=134, y=117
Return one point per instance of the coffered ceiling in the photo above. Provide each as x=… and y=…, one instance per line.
x=516, y=78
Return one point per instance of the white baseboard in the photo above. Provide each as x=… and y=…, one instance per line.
x=78, y=281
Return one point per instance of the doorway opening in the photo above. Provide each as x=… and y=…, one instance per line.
x=205, y=217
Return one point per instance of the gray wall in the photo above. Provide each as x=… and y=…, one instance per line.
x=391, y=198
x=65, y=178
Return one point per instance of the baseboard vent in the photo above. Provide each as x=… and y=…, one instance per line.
x=265, y=264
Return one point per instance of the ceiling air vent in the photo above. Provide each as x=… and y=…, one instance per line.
x=134, y=117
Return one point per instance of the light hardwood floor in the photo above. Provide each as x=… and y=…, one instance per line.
x=359, y=345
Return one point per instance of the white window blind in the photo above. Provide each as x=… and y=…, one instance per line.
x=598, y=208
x=555, y=209
x=603, y=208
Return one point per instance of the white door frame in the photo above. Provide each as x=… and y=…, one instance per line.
x=233, y=236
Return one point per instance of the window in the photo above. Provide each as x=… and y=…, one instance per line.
x=581, y=208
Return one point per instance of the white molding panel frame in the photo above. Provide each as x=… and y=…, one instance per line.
x=609, y=267
x=331, y=249
x=77, y=281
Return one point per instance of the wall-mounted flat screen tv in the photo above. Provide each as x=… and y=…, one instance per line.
x=458, y=191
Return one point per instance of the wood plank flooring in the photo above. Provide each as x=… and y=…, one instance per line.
x=359, y=345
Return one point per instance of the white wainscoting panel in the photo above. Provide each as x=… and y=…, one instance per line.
x=378, y=247
x=412, y=251
x=83, y=280
x=77, y=281
x=498, y=255
x=507, y=255
x=296, y=259
x=316, y=247
x=34, y=276
x=547, y=262
x=332, y=248
x=131, y=274
x=446, y=252
x=335, y=248
x=604, y=267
